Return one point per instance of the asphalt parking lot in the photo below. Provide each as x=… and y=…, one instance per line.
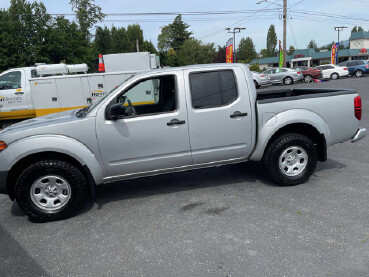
x=225, y=221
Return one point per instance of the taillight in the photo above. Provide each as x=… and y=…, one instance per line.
x=345, y=68
x=367, y=65
x=2, y=146
x=262, y=75
x=357, y=104
x=298, y=72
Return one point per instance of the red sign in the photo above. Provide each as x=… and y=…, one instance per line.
x=299, y=56
x=363, y=51
x=229, y=51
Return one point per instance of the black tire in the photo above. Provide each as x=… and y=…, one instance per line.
x=288, y=80
x=256, y=84
x=334, y=76
x=308, y=78
x=273, y=154
x=77, y=181
x=359, y=73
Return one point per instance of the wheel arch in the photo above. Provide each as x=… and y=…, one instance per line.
x=26, y=161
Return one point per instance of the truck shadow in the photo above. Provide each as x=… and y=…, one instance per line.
x=249, y=172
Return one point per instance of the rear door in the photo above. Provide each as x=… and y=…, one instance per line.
x=13, y=101
x=219, y=115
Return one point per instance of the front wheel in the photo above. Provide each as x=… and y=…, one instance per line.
x=288, y=81
x=290, y=159
x=51, y=190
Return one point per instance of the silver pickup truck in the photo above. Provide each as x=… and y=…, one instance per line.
x=201, y=116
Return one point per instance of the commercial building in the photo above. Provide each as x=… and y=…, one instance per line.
x=359, y=49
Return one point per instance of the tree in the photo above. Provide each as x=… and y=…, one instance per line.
x=220, y=55
x=312, y=44
x=360, y=29
x=357, y=29
x=173, y=35
x=134, y=34
x=255, y=67
x=291, y=50
x=354, y=30
x=246, y=50
x=264, y=53
x=103, y=40
x=271, y=41
x=88, y=14
x=193, y=51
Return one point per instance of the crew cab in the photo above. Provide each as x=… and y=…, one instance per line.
x=203, y=115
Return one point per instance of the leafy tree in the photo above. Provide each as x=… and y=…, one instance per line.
x=220, y=55
x=264, y=53
x=354, y=30
x=172, y=58
x=312, y=44
x=119, y=40
x=103, y=40
x=291, y=50
x=246, y=50
x=88, y=14
x=173, y=35
x=271, y=41
x=193, y=51
x=360, y=29
x=255, y=67
x=148, y=46
x=134, y=33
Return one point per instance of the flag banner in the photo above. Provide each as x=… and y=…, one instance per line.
x=229, y=51
x=334, y=57
x=280, y=54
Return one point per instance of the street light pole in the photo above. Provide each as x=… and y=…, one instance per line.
x=234, y=31
x=339, y=29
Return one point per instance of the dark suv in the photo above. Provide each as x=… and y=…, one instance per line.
x=357, y=68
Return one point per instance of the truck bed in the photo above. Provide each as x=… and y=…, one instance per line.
x=295, y=94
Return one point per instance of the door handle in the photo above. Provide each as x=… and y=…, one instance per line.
x=19, y=92
x=237, y=114
x=175, y=122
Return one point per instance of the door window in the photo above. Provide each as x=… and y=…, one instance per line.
x=11, y=80
x=151, y=96
x=213, y=88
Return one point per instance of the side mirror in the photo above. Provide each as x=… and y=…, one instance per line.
x=117, y=111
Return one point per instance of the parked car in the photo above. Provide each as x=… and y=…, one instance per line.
x=203, y=115
x=356, y=68
x=310, y=73
x=260, y=79
x=331, y=71
x=284, y=75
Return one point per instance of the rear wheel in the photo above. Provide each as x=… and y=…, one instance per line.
x=51, y=190
x=290, y=159
x=308, y=78
x=288, y=81
x=358, y=73
x=334, y=76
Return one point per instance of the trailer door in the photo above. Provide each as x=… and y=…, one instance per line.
x=13, y=101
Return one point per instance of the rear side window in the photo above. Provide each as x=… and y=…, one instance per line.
x=212, y=89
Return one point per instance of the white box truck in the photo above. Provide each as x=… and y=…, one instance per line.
x=26, y=94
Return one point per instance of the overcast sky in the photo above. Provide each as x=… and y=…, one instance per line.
x=301, y=28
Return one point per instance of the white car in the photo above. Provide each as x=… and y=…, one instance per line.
x=331, y=71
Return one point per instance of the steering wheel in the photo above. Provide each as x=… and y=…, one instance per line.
x=132, y=108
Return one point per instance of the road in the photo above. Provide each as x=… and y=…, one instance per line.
x=225, y=221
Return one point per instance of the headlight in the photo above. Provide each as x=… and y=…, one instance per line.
x=2, y=146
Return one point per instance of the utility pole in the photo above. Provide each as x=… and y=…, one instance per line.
x=234, y=31
x=339, y=29
x=284, y=32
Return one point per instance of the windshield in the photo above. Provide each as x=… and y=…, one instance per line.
x=87, y=109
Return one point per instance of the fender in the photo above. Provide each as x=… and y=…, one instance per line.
x=61, y=144
x=267, y=127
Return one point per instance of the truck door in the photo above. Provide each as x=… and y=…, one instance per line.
x=155, y=137
x=13, y=101
x=219, y=115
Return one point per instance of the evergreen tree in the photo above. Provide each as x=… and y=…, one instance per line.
x=271, y=41
x=291, y=50
x=312, y=44
x=220, y=55
x=246, y=50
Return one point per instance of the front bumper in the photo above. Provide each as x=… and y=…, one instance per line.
x=3, y=176
x=360, y=134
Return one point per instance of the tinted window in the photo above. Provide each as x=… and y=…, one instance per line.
x=215, y=88
x=11, y=80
